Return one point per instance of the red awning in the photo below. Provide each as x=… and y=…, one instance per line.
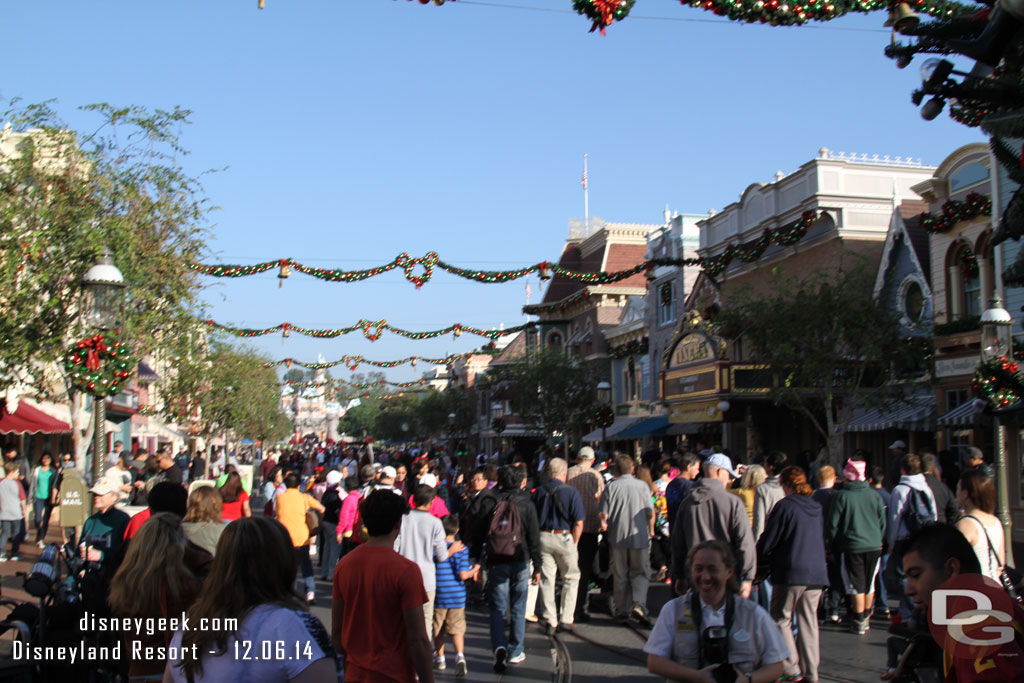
x=29, y=420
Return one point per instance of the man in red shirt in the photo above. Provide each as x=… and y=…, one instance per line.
x=377, y=612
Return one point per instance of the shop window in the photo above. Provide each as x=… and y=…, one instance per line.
x=666, y=300
x=964, y=285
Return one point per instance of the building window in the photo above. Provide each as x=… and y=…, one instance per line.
x=964, y=282
x=555, y=341
x=666, y=299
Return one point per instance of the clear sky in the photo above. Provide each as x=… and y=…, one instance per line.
x=354, y=130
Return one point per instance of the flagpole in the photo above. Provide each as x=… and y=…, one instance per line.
x=586, y=197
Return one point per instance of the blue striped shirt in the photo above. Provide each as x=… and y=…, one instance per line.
x=451, y=590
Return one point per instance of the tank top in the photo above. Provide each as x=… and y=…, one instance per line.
x=988, y=559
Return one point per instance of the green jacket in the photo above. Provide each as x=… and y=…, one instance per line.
x=856, y=523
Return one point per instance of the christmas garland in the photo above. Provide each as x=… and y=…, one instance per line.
x=786, y=235
x=603, y=12
x=354, y=362
x=362, y=386
x=788, y=13
x=99, y=365
x=635, y=347
x=968, y=264
x=371, y=329
x=999, y=382
x=954, y=211
x=498, y=425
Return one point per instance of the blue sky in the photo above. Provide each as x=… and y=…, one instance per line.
x=354, y=130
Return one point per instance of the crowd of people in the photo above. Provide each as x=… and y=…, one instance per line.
x=759, y=556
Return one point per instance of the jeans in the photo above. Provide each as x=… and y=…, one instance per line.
x=507, y=583
x=331, y=552
x=306, y=567
x=9, y=529
x=41, y=517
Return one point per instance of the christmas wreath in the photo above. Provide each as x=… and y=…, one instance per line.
x=603, y=12
x=498, y=425
x=99, y=365
x=605, y=416
x=999, y=382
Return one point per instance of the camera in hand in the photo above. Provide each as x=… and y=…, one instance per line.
x=714, y=643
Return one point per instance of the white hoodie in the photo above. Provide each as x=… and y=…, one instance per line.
x=897, y=527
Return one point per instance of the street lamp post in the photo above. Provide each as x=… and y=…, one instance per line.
x=451, y=435
x=102, y=302
x=604, y=396
x=997, y=343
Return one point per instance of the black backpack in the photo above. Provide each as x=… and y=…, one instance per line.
x=505, y=531
x=916, y=511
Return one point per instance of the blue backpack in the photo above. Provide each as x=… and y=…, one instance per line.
x=916, y=510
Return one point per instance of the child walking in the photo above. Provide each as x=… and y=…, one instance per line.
x=12, y=511
x=450, y=603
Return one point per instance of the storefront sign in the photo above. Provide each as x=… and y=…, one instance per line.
x=692, y=383
x=701, y=411
x=753, y=378
x=951, y=367
x=692, y=348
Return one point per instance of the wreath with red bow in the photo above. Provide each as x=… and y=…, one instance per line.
x=99, y=365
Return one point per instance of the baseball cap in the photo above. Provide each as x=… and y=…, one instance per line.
x=389, y=472
x=103, y=486
x=429, y=480
x=333, y=477
x=974, y=452
x=721, y=460
x=899, y=443
x=586, y=453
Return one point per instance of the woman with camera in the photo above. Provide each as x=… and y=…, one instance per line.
x=711, y=634
x=792, y=547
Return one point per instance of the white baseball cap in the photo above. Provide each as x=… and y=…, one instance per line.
x=429, y=480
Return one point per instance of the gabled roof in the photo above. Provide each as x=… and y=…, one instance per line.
x=912, y=232
x=918, y=236
x=560, y=287
x=611, y=257
x=515, y=349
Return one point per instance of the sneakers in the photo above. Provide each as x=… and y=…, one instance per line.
x=3, y=558
x=639, y=616
x=439, y=663
x=860, y=626
x=310, y=598
x=40, y=544
x=15, y=558
x=460, y=667
x=518, y=659
x=500, y=655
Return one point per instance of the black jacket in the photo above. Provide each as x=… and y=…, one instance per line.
x=476, y=515
x=530, y=551
x=945, y=500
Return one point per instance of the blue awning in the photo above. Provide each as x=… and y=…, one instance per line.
x=652, y=426
x=613, y=429
x=147, y=373
x=916, y=415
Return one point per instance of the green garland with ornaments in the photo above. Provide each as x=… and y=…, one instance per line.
x=636, y=347
x=371, y=329
x=954, y=211
x=999, y=382
x=99, y=365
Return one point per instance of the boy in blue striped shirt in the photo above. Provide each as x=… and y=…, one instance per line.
x=450, y=600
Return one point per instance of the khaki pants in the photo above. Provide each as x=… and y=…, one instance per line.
x=428, y=612
x=631, y=569
x=558, y=554
x=801, y=601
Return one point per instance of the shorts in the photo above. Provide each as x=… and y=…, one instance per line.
x=859, y=571
x=452, y=620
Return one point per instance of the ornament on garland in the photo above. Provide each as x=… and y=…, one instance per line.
x=635, y=347
x=954, y=211
x=603, y=12
x=787, y=13
x=999, y=382
x=968, y=264
x=99, y=365
x=498, y=425
x=371, y=329
x=604, y=416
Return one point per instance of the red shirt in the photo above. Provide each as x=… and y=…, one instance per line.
x=135, y=523
x=232, y=511
x=375, y=586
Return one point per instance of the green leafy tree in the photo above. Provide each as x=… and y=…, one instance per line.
x=66, y=195
x=832, y=346
x=551, y=391
x=361, y=419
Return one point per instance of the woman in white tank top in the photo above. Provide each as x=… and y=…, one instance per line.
x=976, y=496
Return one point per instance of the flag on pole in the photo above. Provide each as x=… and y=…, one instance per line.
x=584, y=181
x=528, y=292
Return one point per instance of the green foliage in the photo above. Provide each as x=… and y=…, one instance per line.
x=361, y=419
x=66, y=195
x=830, y=343
x=551, y=390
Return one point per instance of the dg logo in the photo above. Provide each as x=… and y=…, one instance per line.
x=971, y=616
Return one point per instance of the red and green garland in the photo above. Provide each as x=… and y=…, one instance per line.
x=999, y=382
x=99, y=365
x=954, y=211
x=353, y=362
x=631, y=348
x=371, y=329
x=968, y=264
x=603, y=12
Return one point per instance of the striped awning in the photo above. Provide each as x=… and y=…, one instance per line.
x=964, y=415
x=917, y=415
